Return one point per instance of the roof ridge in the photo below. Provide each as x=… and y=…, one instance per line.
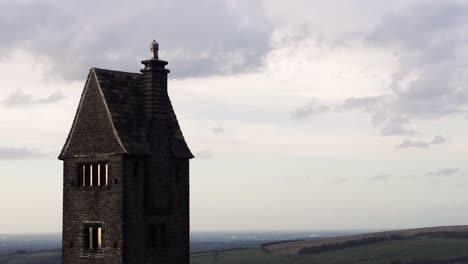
x=107, y=70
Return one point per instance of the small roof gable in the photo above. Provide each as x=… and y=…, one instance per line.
x=123, y=96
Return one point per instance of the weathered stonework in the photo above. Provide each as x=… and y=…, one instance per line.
x=126, y=120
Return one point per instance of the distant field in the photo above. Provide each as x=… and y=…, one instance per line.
x=383, y=252
x=246, y=256
x=43, y=257
x=295, y=247
x=440, y=244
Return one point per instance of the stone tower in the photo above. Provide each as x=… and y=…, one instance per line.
x=126, y=172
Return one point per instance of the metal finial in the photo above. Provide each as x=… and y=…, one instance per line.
x=154, y=47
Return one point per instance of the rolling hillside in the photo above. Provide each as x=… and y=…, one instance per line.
x=326, y=244
x=436, y=245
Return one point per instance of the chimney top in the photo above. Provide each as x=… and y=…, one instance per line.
x=154, y=63
x=154, y=47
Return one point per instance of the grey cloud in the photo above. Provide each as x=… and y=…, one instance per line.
x=407, y=143
x=310, y=109
x=204, y=154
x=412, y=144
x=8, y=153
x=396, y=127
x=339, y=180
x=428, y=41
x=410, y=177
x=390, y=124
x=218, y=130
x=52, y=98
x=19, y=98
x=421, y=25
x=366, y=103
x=198, y=38
x=437, y=140
x=444, y=172
x=380, y=177
x=437, y=176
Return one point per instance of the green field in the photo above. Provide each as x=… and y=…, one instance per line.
x=384, y=252
x=43, y=257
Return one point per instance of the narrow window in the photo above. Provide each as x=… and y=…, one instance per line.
x=99, y=174
x=176, y=170
x=136, y=169
x=102, y=174
x=95, y=175
x=163, y=235
x=159, y=239
x=107, y=174
x=99, y=237
x=83, y=174
x=93, y=237
x=153, y=237
x=87, y=175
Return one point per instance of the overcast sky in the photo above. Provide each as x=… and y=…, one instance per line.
x=302, y=114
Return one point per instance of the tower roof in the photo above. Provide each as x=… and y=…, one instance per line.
x=123, y=97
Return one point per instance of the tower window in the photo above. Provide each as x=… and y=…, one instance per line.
x=92, y=236
x=159, y=239
x=136, y=169
x=93, y=174
x=176, y=170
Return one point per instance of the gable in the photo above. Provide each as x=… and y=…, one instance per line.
x=92, y=131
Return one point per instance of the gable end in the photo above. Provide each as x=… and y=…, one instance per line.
x=92, y=110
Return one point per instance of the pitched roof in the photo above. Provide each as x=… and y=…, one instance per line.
x=123, y=95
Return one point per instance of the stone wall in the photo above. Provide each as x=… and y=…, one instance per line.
x=144, y=192
x=92, y=204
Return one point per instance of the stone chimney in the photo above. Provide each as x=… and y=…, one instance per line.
x=155, y=86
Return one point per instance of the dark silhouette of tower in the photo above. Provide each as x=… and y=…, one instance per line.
x=126, y=172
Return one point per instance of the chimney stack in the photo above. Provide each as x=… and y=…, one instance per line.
x=155, y=86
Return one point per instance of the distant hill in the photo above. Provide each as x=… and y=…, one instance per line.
x=435, y=245
x=310, y=246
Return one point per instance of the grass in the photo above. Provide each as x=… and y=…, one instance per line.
x=384, y=252
x=43, y=257
x=247, y=256
x=428, y=249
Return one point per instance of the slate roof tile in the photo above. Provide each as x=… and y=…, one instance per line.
x=124, y=97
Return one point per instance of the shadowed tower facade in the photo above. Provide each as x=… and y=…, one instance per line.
x=126, y=171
